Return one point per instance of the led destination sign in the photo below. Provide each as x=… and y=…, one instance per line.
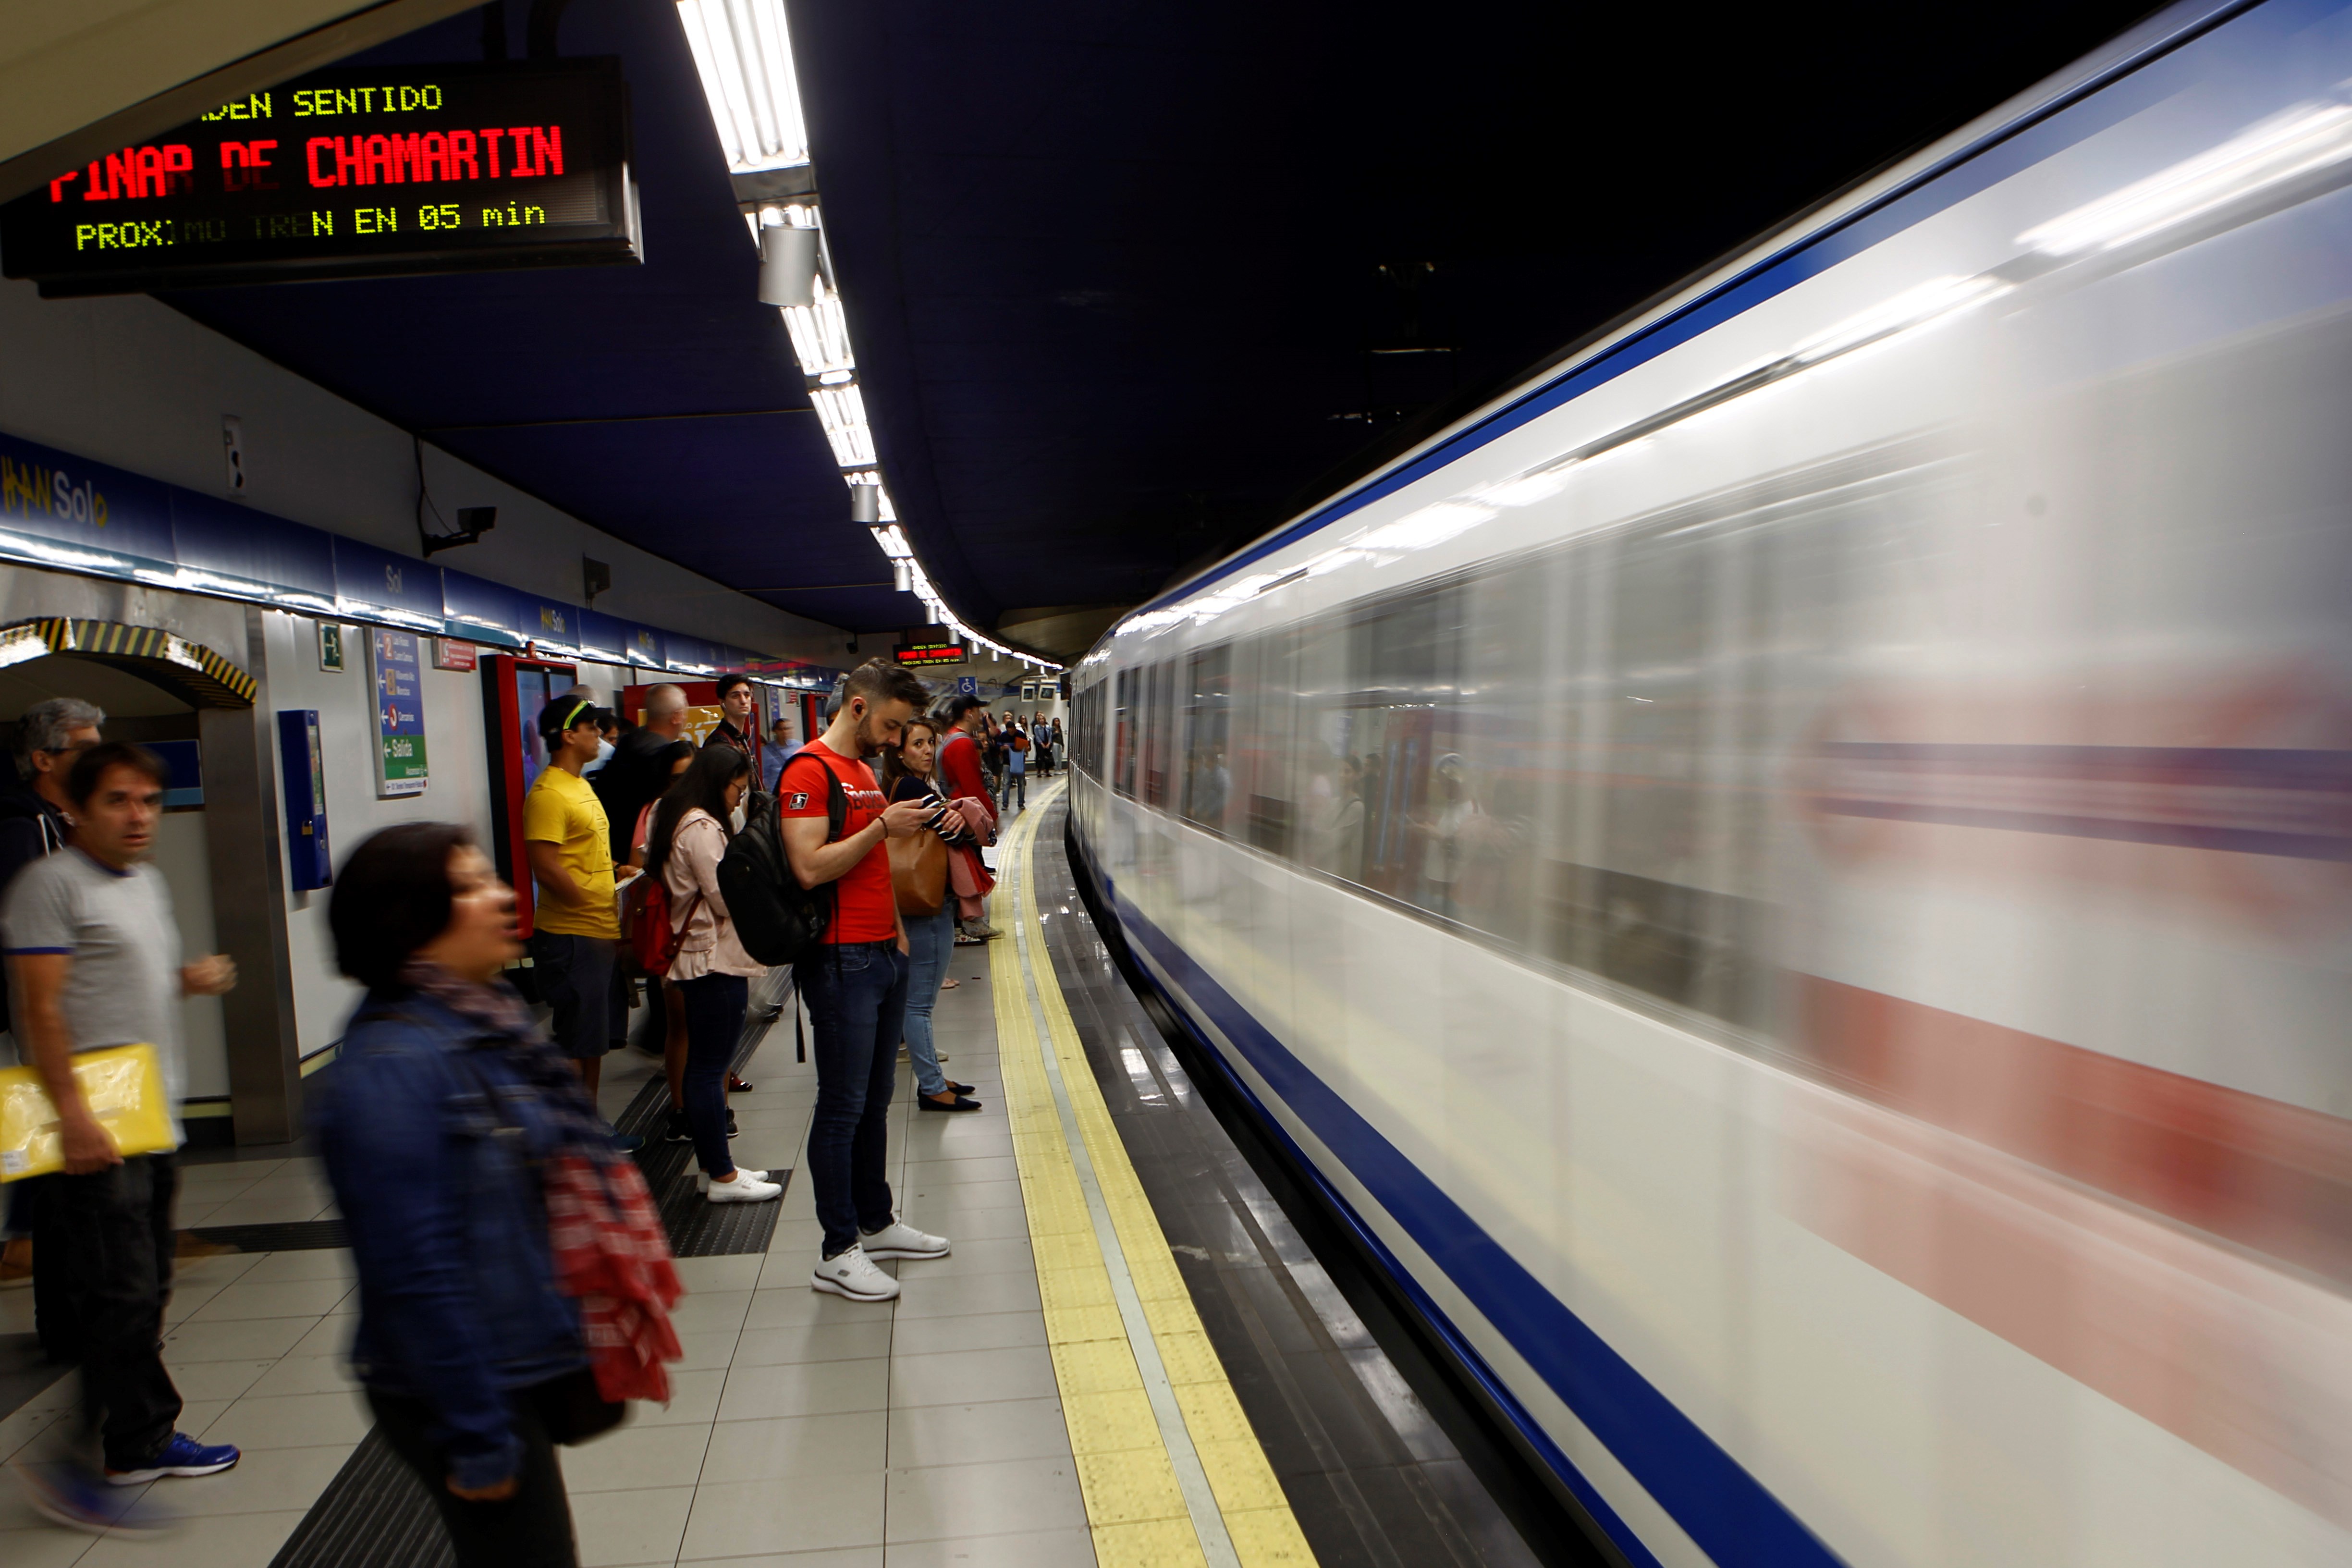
x=348, y=173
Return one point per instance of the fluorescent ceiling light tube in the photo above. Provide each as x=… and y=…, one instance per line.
x=744, y=55
x=2300, y=141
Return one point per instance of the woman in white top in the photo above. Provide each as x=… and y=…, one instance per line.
x=712, y=974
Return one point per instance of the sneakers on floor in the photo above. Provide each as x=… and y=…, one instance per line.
x=71, y=1496
x=899, y=1239
x=851, y=1273
x=182, y=1456
x=748, y=1187
x=702, y=1178
x=982, y=929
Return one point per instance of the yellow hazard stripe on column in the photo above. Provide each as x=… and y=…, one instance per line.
x=1170, y=1469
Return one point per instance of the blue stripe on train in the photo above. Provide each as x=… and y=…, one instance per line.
x=1730, y=1513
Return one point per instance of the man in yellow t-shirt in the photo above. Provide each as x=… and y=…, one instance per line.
x=575, y=928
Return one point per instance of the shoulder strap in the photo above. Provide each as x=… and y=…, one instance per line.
x=836, y=805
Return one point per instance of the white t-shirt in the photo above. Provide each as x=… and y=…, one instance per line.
x=123, y=985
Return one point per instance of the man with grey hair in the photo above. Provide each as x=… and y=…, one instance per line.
x=34, y=820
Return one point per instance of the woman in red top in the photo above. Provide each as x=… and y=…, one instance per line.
x=961, y=777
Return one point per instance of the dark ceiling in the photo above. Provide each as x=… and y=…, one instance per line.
x=1128, y=283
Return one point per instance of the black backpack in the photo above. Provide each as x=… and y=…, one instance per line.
x=777, y=921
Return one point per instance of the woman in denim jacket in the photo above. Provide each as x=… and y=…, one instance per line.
x=435, y=1119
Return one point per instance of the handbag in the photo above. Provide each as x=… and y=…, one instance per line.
x=122, y=1085
x=571, y=1407
x=918, y=873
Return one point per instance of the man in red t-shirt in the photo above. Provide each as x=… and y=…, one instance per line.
x=856, y=988
x=960, y=766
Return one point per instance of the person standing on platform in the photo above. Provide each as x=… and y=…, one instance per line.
x=909, y=773
x=741, y=727
x=1016, y=763
x=779, y=752
x=642, y=766
x=33, y=822
x=94, y=961
x=856, y=987
x=961, y=776
x=712, y=974
x=575, y=939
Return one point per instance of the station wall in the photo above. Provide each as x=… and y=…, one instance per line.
x=130, y=381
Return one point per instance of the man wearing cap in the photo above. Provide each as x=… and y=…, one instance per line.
x=575, y=927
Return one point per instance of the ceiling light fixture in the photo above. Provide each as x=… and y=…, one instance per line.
x=744, y=55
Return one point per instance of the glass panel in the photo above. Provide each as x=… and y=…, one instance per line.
x=1208, y=769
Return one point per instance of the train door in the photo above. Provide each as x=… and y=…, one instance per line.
x=515, y=690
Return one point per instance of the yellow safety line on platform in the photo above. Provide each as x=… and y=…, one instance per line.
x=1170, y=1469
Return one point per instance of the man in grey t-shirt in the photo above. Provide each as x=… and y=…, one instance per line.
x=94, y=961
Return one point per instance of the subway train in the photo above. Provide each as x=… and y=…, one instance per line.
x=1791, y=874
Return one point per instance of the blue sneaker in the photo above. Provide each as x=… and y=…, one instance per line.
x=182, y=1456
x=69, y=1495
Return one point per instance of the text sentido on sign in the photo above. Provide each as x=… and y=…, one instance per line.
x=344, y=175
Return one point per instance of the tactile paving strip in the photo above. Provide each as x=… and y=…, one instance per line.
x=697, y=1229
x=373, y=1514
x=297, y=1236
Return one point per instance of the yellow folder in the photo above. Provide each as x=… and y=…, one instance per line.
x=125, y=1087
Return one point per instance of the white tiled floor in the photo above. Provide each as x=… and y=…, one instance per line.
x=804, y=1430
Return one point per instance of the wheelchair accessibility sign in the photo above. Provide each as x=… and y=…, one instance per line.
x=967, y=685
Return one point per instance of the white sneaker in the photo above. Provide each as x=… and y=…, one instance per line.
x=748, y=1187
x=899, y=1239
x=851, y=1273
x=702, y=1178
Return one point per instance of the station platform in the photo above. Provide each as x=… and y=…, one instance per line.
x=1132, y=1357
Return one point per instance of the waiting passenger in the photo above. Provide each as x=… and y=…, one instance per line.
x=739, y=729
x=712, y=974
x=779, y=752
x=471, y=1344
x=909, y=773
x=961, y=774
x=1016, y=763
x=856, y=988
x=34, y=823
x=664, y=1017
x=94, y=960
x=576, y=937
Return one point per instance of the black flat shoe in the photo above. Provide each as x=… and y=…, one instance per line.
x=947, y=1107
x=958, y=1088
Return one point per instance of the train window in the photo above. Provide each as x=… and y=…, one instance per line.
x=1153, y=722
x=1331, y=772
x=1266, y=674
x=1207, y=769
x=1123, y=734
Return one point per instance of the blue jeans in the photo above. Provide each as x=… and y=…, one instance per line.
x=714, y=1022
x=857, y=1008
x=932, y=940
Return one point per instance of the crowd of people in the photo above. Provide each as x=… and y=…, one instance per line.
x=514, y=1277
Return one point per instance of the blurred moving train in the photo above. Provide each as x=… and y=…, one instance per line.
x=1794, y=872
